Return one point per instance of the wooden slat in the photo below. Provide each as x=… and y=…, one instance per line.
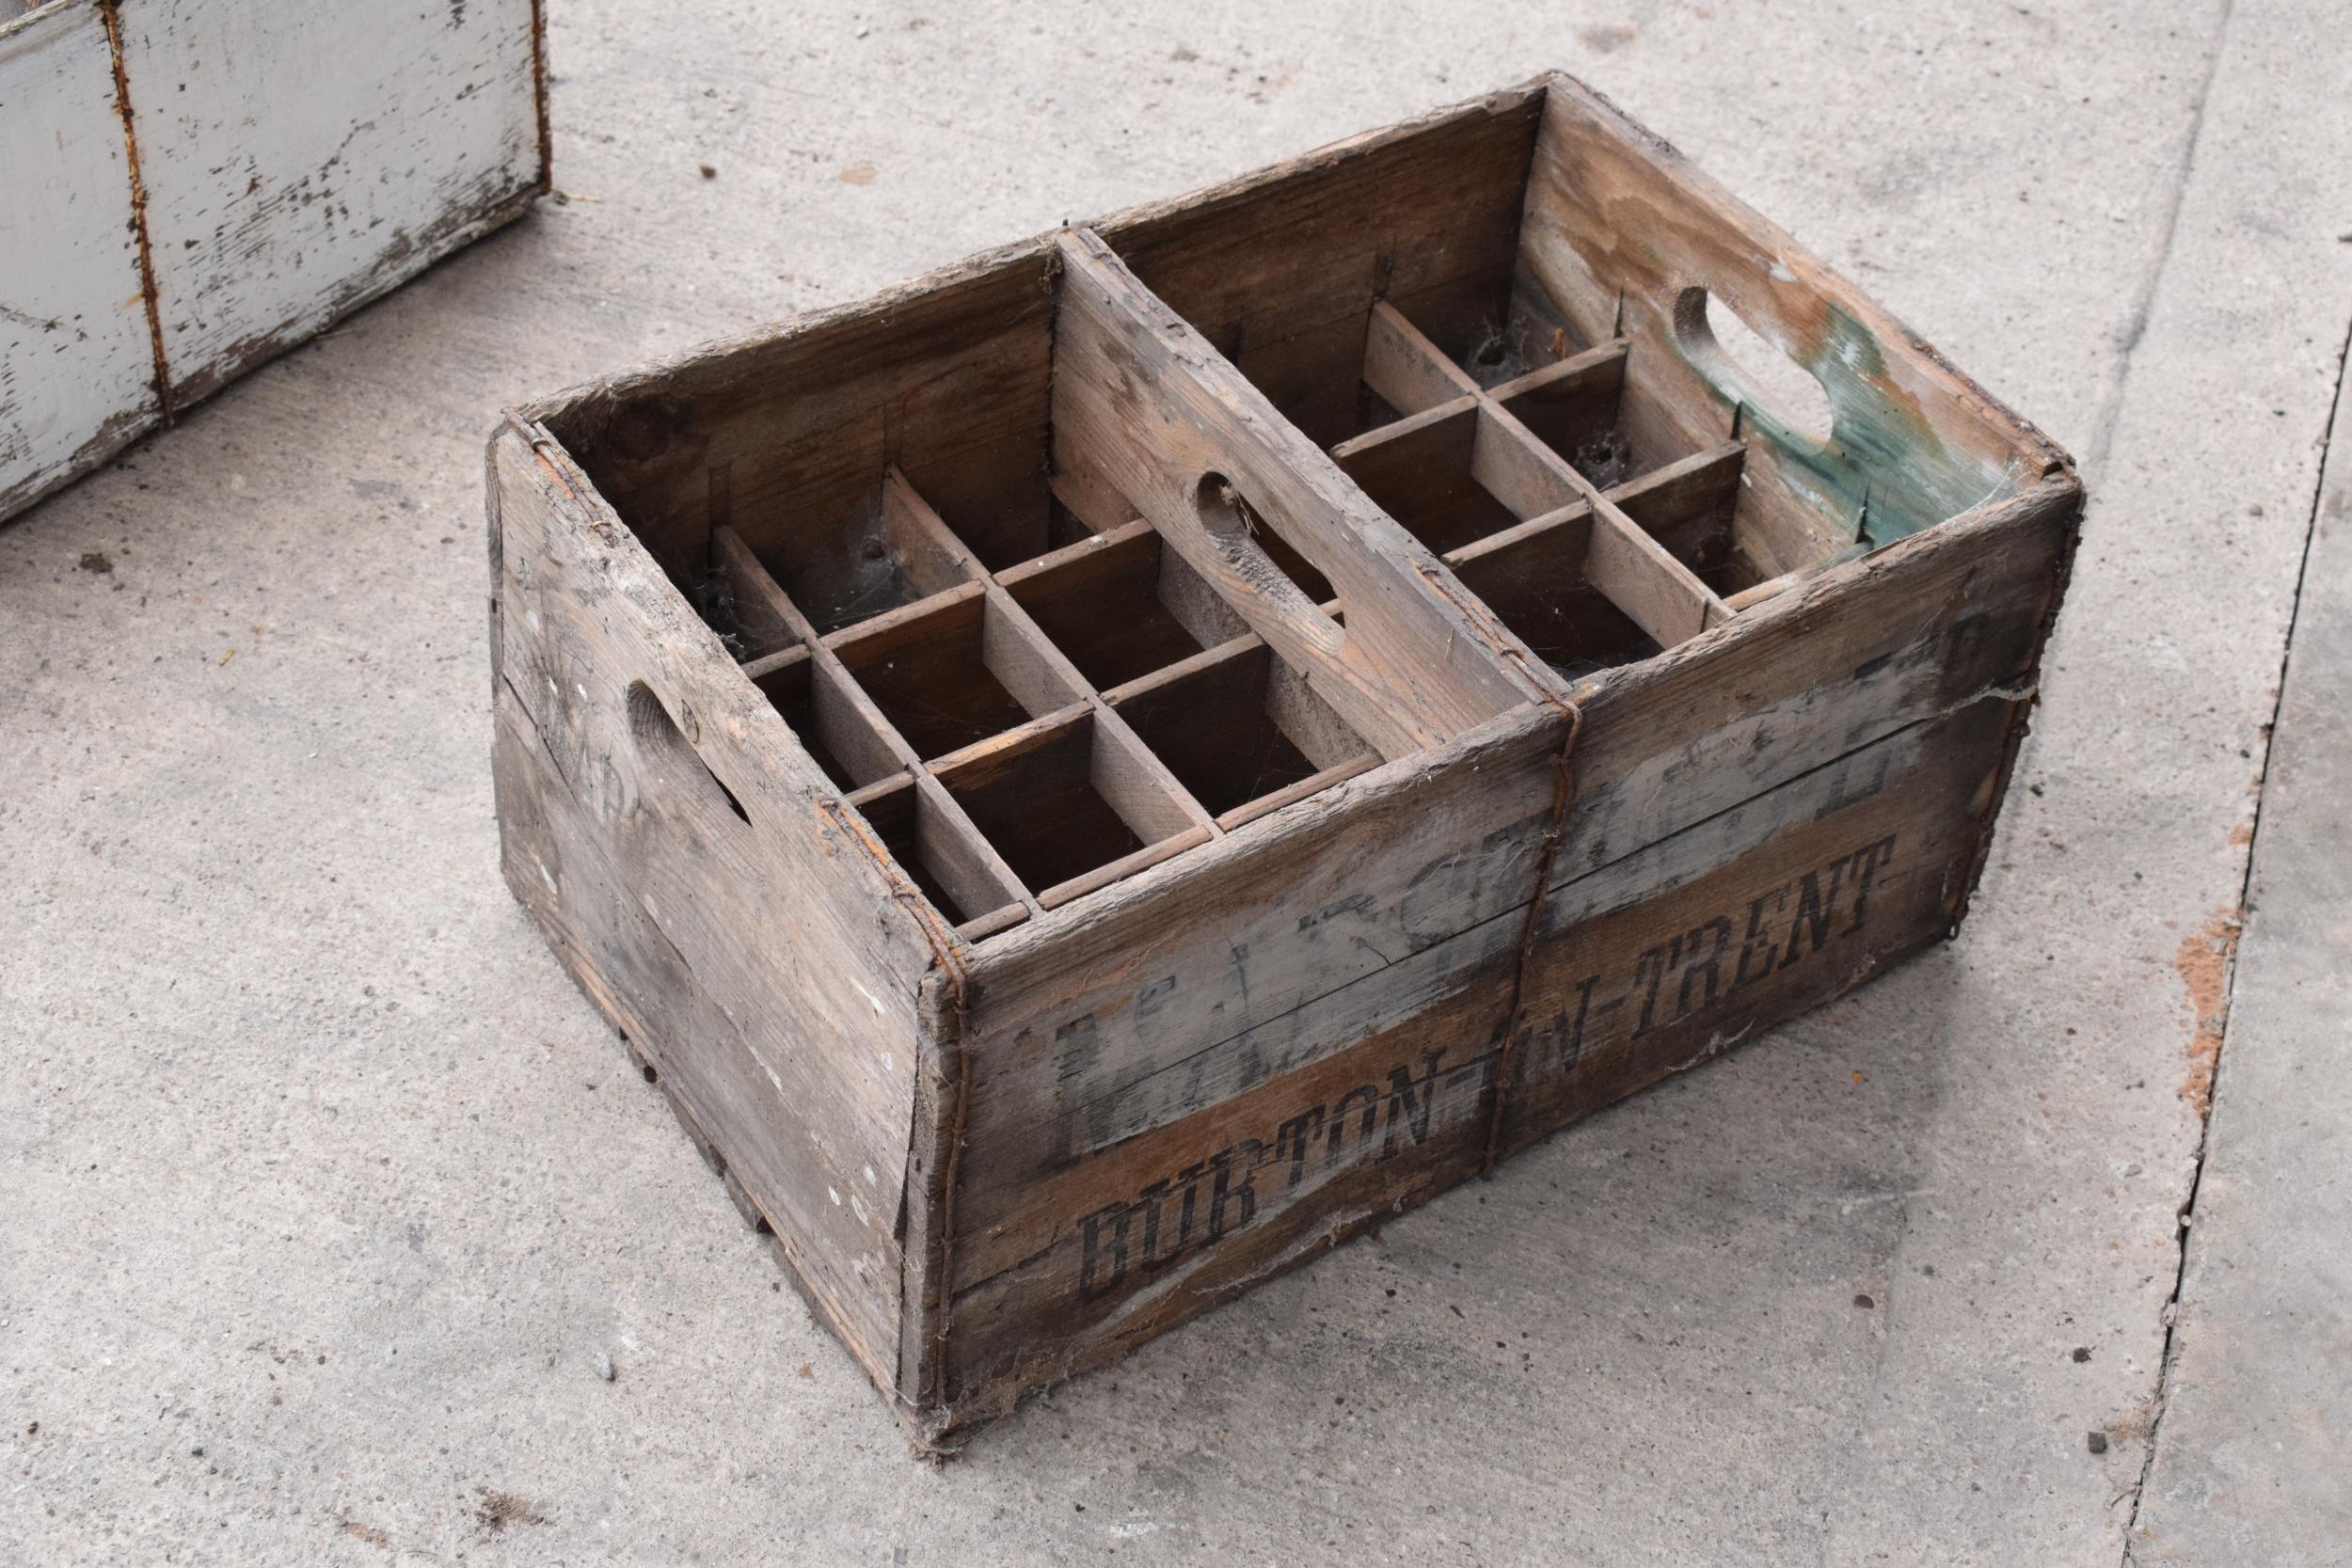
x=1663, y=596
x=758, y=670
x=848, y=723
x=959, y=855
x=877, y=634
x=1207, y=659
x=1126, y=867
x=1315, y=784
x=1411, y=373
x=1522, y=472
x=1025, y=660
x=983, y=927
x=1571, y=522
x=1600, y=370
x=763, y=616
x=1139, y=396
x=1410, y=430
x=1085, y=550
x=986, y=754
x=1134, y=781
x=925, y=548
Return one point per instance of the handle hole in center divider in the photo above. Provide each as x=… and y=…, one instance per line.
x=665, y=746
x=1744, y=363
x=1258, y=554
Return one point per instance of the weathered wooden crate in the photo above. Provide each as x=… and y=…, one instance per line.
x=188, y=187
x=1096, y=774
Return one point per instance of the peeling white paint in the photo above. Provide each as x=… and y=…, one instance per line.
x=74, y=349
x=297, y=160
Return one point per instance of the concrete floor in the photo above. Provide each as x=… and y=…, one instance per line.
x=322, y=1191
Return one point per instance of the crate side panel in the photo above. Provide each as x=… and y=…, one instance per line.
x=675, y=843
x=1139, y=1016
x=947, y=376
x=1323, y=892
x=1617, y=223
x=1280, y=269
x=301, y=159
x=77, y=365
x=1839, y=873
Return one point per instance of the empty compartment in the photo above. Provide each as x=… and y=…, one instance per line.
x=1507, y=256
x=1534, y=579
x=1688, y=507
x=1574, y=408
x=935, y=851
x=1122, y=605
x=885, y=553
x=1238, y=727
x=825, y=715
x=1067, y=804
x=1422, y=471
x=951, y=671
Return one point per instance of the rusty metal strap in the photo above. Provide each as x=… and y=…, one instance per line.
x=1563, y=795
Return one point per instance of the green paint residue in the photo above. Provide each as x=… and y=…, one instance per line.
x=1884, y=467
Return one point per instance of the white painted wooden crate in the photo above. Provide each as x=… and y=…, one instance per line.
x=188, y=187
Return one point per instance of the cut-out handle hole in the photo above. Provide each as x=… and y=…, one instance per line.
x=1744, y=364
x=1266, y=564
x=665, y=746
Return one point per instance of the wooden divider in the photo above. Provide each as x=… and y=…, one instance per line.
x=1144, y=405
x=976, y=744
x=1548, y=496
x=1020, y=735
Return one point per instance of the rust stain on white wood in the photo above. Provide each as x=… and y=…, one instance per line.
x=297, y=160
x=76, y=374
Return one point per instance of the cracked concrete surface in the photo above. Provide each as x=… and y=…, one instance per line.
x=322, y=1193
x=2252, y=1461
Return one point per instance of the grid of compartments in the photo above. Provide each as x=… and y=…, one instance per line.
x=1023, y=724
x=1506, y=455
x=1026, y=711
